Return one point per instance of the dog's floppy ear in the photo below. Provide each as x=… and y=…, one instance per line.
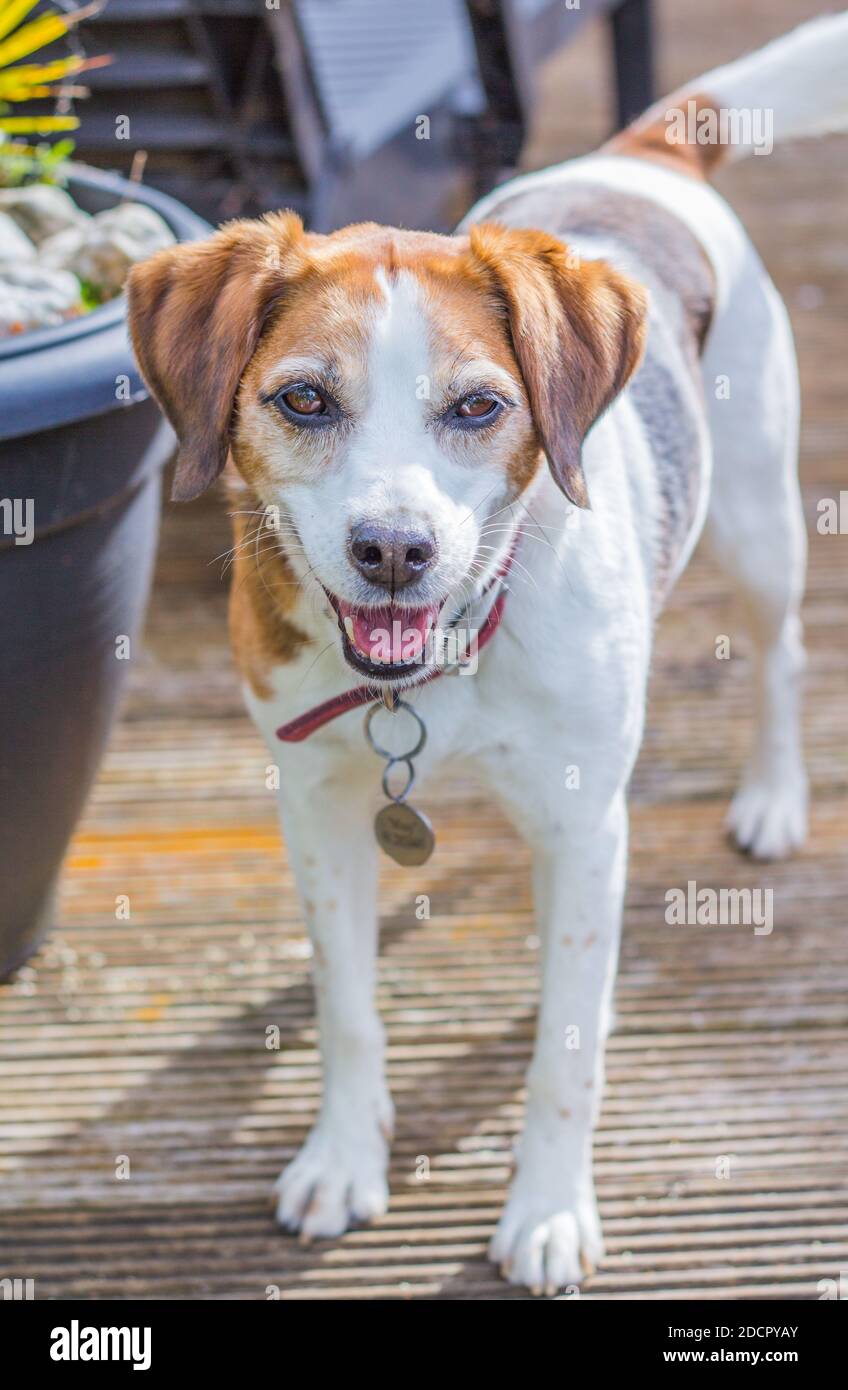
x=578, y=331
x=196, y=312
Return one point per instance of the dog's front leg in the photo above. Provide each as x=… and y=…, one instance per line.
x=549, y=1233
x=340, y=1173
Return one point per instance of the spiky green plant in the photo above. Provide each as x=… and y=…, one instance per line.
x=21, y=82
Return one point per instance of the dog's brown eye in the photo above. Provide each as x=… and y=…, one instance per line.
x=477, y=407
x=305, y=400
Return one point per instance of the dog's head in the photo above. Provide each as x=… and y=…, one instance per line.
x=391, y=392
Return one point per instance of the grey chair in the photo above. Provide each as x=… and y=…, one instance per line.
x=338, y=108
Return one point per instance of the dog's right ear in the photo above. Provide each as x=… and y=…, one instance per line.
x=196, y=312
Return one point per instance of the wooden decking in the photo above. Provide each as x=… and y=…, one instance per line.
x=722, y=1154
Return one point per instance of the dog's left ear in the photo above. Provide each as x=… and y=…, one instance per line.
x=578, y=332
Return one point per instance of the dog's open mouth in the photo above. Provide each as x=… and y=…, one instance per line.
x=388, y=643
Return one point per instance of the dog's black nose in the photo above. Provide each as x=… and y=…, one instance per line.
x=390, y=558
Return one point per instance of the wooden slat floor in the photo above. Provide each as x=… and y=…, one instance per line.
x=147, y=1038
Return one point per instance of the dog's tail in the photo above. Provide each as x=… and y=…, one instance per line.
x=796, y=86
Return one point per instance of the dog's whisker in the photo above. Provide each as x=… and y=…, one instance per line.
x=524, y=573
x=479, y=504
x=314, y=662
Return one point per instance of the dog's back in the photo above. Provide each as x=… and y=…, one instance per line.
x=678, y=238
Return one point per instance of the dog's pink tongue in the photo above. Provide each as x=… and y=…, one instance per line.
x=388, y=635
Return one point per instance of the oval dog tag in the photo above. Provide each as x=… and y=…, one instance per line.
x=404, y=834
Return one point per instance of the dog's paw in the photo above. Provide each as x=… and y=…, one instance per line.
x=335, y=1180
x=768, y=821
x=544, y=1245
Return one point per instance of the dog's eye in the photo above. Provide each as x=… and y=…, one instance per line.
x=478, y=407
x=303, y=400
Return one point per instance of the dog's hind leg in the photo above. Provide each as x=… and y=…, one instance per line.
x=339, y=1175
x=755, y=530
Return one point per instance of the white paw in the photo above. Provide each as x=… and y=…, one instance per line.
x=544, y=1245
x=336, y=1178
x=769, y=821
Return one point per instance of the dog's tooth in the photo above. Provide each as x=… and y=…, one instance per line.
x=348, y=627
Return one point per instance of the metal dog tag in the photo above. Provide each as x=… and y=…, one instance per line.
x=404, y=834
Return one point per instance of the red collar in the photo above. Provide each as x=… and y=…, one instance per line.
x=296, y=730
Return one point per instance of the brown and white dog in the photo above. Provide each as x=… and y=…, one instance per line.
x=421, y=412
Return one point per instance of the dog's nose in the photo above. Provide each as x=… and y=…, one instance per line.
x=390, y=558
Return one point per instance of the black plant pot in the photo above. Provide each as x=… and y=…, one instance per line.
x=82, y=448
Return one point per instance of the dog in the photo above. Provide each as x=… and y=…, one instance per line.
x=518, y=430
